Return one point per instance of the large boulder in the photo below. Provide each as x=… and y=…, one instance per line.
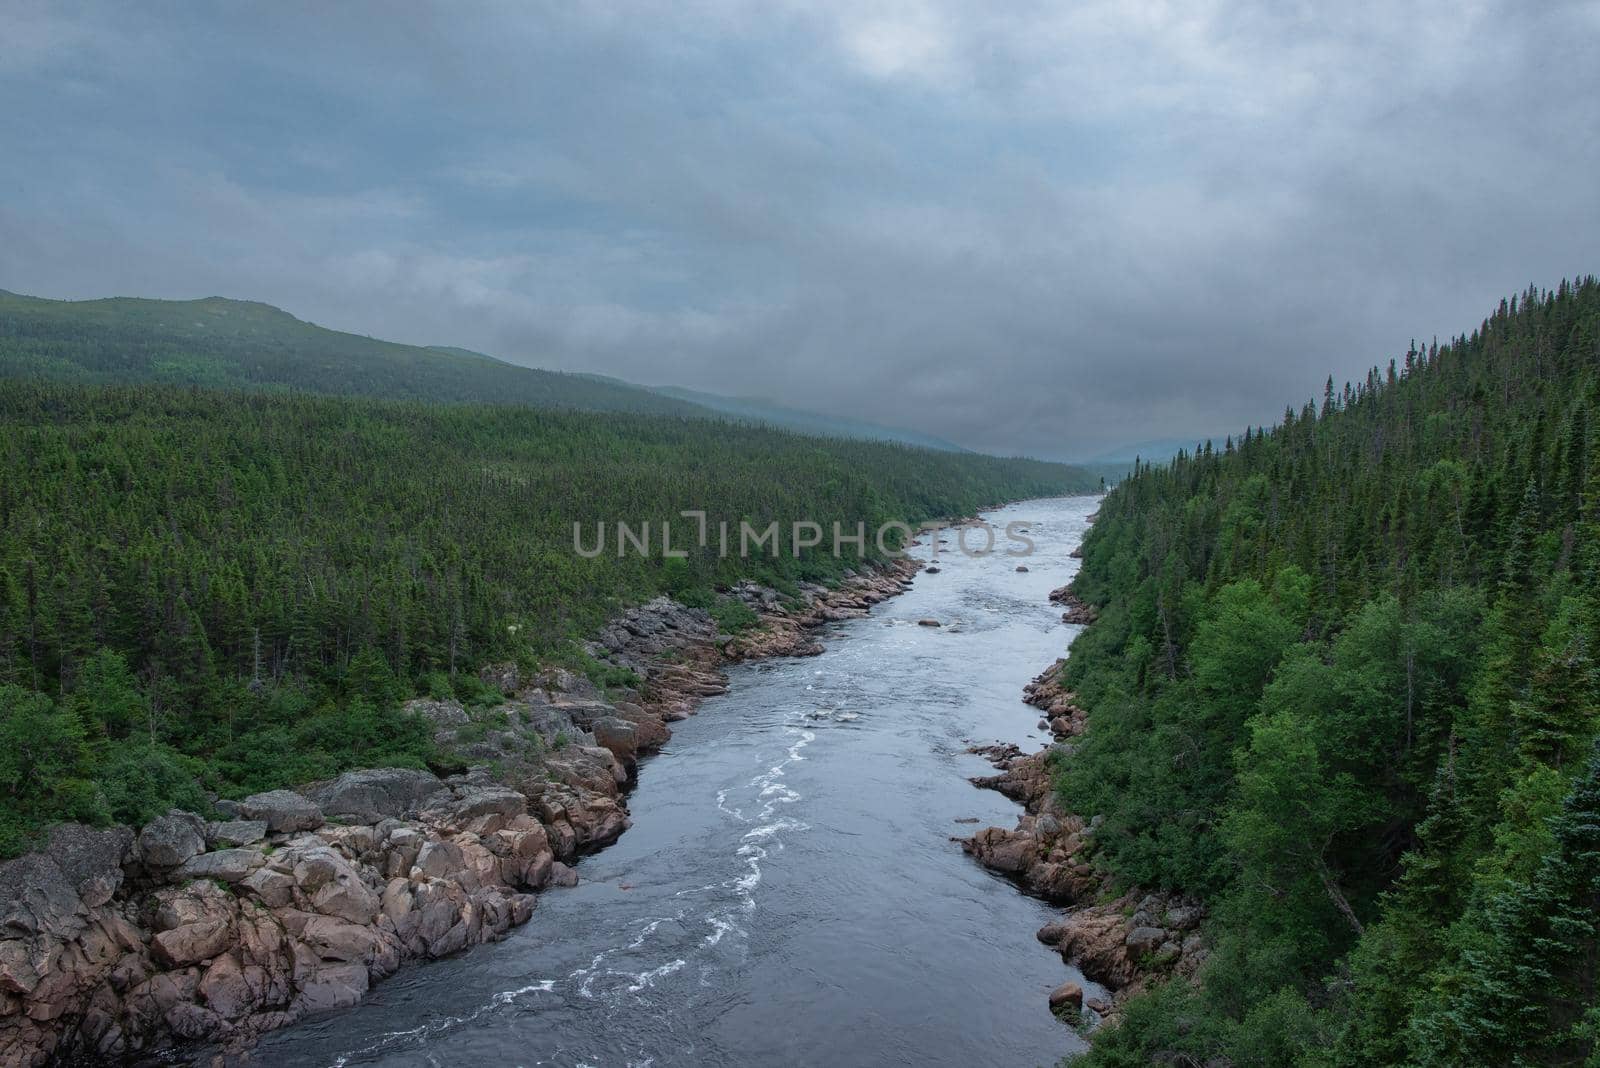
x=283, y=810
x=334, y=939
x=1093, y=939
x=481, y=809
x=442, y=714
x=332, y=886
x=229, y=833
x=167, y=841
x=1144, y=939
x=589, y=767
x=439, y=859
x=227, y=990
x=1067, y=998
x=401, y=846
x=1008, y=852
x=39, y=908
x=373, y=794
x=90, y=859
x=331, y=986
x=580, y=819
x=617, y=735
x=274, y=889
x=561, y=681
x=224, y=865
x=504, y=677
x=192, y=923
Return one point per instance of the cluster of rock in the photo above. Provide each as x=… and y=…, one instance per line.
x=1062, y=716
x=1078, y=612
x=785, y=629
x=679, y=650
x=1122, y=943
x=114, y=943
x=1048, y=851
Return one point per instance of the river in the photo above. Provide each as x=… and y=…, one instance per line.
x=789, y=893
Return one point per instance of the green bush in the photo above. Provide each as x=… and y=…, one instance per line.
x=143, y=779
x=733, y=616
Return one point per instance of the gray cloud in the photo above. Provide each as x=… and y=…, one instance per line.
x=1027, y=227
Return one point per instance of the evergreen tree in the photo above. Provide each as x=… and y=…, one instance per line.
x=1528, y=993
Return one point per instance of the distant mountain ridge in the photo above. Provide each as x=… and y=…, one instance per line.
x=224, y=343
x=761, y=410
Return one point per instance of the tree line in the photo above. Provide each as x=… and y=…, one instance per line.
x=1343, y=687
x=206, y=592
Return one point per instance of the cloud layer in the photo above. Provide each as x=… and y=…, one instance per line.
x=1038, y=228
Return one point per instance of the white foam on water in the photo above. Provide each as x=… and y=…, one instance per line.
x=448, y=1023
x=644, y=979
x=719, y=927
x=722, y=806
x=755, y=845
x=505, y=997
x=586, y=977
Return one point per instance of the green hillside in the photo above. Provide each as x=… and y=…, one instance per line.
x=1343, y=686
x=236, y=344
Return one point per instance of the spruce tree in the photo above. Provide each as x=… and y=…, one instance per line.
x=1527, y=997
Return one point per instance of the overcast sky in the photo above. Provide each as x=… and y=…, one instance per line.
x=1042, y=228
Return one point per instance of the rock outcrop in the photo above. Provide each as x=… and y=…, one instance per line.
x=1048, y=851
x=112, y=946
x=373, y=794
x=1063, y=718
x=284, y=811
x=1123, y=943
x=1077, y=612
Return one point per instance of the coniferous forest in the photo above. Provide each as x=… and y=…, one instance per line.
x=1343, y=687
x=207, y=592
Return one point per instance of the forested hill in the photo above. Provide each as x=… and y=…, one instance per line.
x=239, y=344
x=1343, y=686
x=232, y=591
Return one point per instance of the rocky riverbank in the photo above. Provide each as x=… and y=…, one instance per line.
x=118, y=943
x=1078, y=612
x=1120, y=940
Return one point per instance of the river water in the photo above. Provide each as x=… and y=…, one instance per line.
x=789, y=893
